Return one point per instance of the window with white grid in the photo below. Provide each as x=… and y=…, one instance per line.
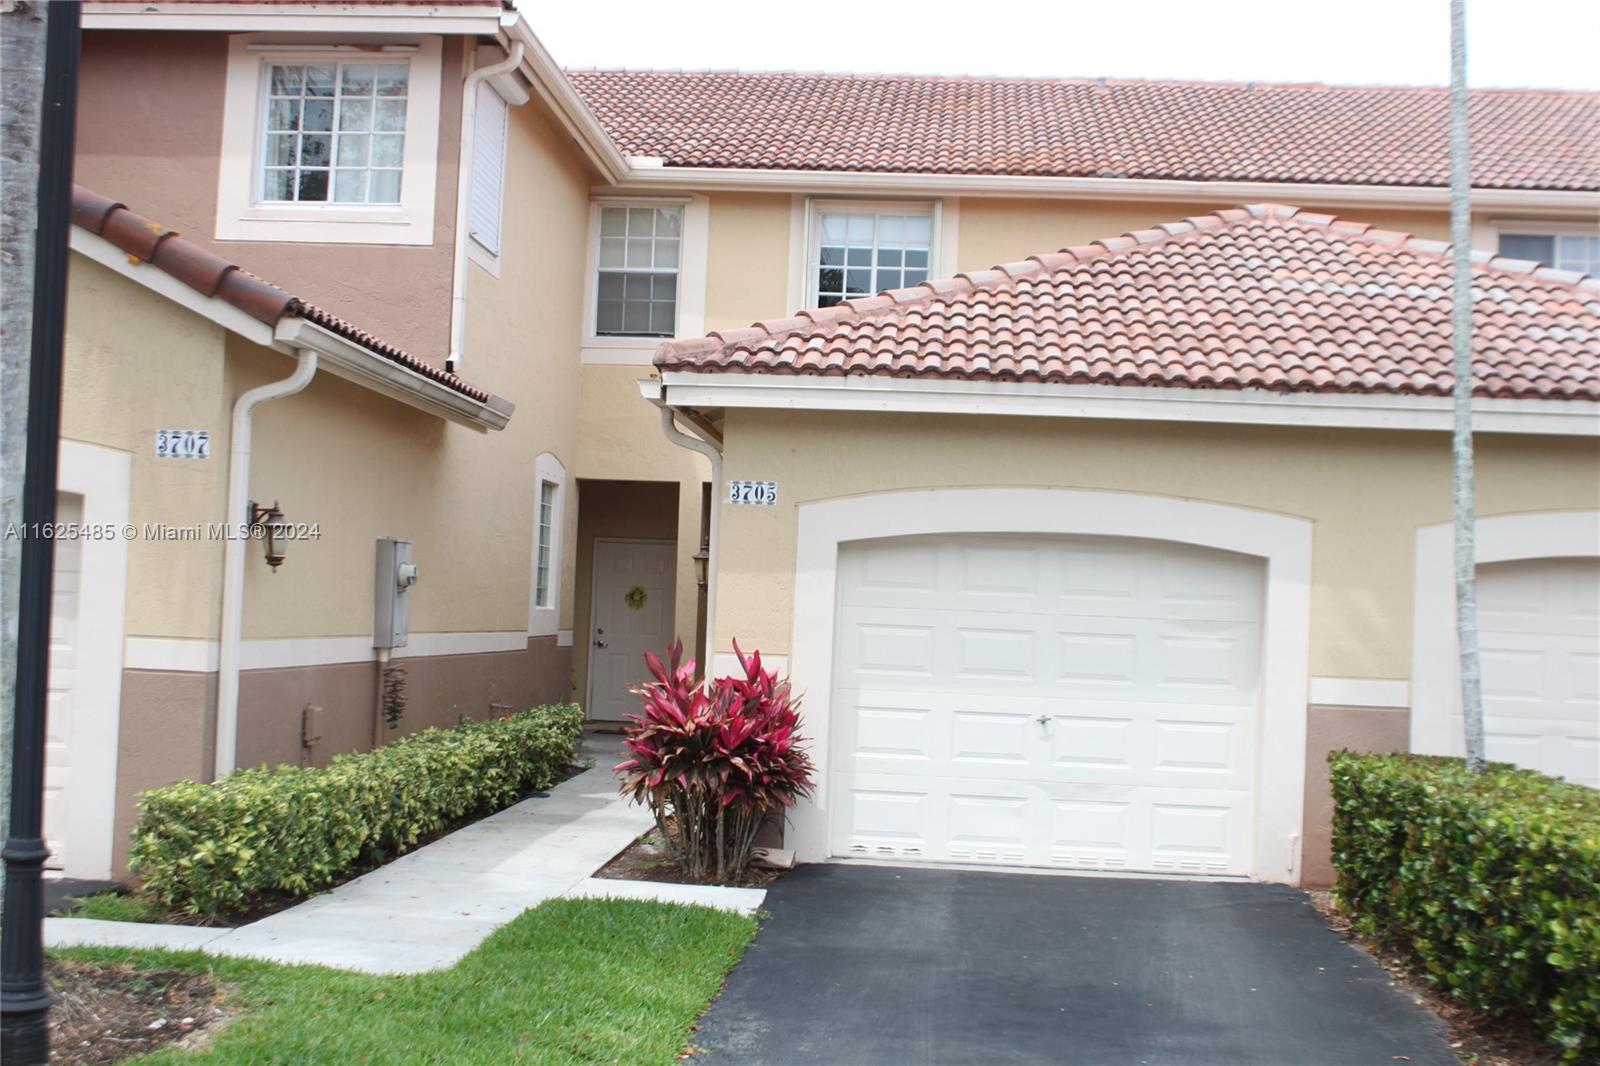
x=546, y=534
x=1564, y=251
x=334, y=132
x=637, y=288
x=860, y=253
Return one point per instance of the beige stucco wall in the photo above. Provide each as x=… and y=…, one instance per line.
x=994, y=231
x=747, y=259
x=150, y=108
x=622, y=441
x=136, y=363
x=1367, y=492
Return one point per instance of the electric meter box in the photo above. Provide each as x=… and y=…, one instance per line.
x=395, y=574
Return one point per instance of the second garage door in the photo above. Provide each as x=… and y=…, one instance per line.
x=1069, y=702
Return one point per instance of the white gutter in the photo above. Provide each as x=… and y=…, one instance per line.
x=1149, y=403
x=233, y=553
x=346, y=359
x=652, y=176
x=713, y=453
x=458, y=277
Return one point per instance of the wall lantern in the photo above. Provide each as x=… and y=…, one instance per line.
x=268, y=525
x=701, y=559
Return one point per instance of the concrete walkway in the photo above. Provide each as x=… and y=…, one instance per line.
x=427, y=909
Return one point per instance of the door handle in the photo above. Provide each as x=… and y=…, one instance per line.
x=600, y=643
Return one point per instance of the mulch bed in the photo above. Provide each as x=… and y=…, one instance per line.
x=1477, y=1038
x=111, y=1013
x=645, y=860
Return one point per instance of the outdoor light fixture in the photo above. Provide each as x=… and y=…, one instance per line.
x=268, y=525
x=701, y=559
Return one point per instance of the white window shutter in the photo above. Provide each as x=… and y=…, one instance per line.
x=488, y=169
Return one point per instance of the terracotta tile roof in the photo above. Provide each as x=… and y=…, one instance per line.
x=1260, y=297
x=212, y=276
x=1085, y=128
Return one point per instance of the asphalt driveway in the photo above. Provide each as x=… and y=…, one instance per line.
x=862, y=964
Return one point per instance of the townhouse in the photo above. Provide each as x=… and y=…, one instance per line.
x=478, y=255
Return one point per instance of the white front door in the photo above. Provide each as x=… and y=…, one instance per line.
x=631, y=613
x=1068, y=702
x=63, y=671
x=1539, y=635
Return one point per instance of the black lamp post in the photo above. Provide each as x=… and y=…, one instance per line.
x=24, y=996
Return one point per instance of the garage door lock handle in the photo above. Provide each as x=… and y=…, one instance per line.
x=1043, y=719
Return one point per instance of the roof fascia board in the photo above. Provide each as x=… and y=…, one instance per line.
x=95, y=247
x=881, y=394
x=346, y=359
x=340, y=356
x=351, y=18
x=646, y=179
x=550, y=81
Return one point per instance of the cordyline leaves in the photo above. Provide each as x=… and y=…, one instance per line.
x=727, y=751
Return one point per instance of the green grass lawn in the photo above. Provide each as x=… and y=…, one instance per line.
x=571, y=981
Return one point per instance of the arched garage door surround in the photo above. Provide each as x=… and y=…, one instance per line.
x=1435, y=658
x=1282, y=542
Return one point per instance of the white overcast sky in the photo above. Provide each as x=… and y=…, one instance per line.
x=1546, y=43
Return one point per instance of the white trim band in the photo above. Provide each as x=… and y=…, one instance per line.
x=1150, y=403
x=1360, y=692
x=189, y=655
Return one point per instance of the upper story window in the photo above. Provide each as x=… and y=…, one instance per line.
x=335, y=132
x=637, y=284
x=1564, y=251
x=861, y=252
x=332, y=141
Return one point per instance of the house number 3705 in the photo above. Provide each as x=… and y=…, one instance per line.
x=758, y=493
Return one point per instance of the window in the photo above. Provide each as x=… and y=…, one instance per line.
x=330, y=142
x=488, y=169
x=1565, y=251
x=640, y=252
x=546, y=534
x=859, y=253
x=334, y=132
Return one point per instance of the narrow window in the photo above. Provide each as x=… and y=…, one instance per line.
x=541, y=565
x=334, y=133
x=488, y=169
x=861, y=253
x=1565, y=251
x=637, y=290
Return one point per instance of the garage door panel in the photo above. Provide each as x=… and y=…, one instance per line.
x=1539, y=639
x=1081, y=703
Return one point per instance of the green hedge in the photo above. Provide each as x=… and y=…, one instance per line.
x=1491, y=882
x=266, y=833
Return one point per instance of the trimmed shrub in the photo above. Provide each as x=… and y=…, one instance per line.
x=714, y=761
x=266, y=833
x=1490, y=881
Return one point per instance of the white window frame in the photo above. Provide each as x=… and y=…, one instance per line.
x=1529, y=227
x=543, y=620
x=241, y=216
x=691, y=309
x=805, y=237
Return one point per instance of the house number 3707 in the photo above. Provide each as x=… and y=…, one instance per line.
x=757, y=493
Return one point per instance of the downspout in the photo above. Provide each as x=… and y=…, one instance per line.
x=458, y=278
x=233, y=550
x=713, y=453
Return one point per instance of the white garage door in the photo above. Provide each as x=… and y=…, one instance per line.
x=1070, y=702
x=60, y=708
x=1539, y=624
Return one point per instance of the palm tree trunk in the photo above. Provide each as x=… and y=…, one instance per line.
x=1461, y=436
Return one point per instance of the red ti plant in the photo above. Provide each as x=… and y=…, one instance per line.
x=714, y=761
